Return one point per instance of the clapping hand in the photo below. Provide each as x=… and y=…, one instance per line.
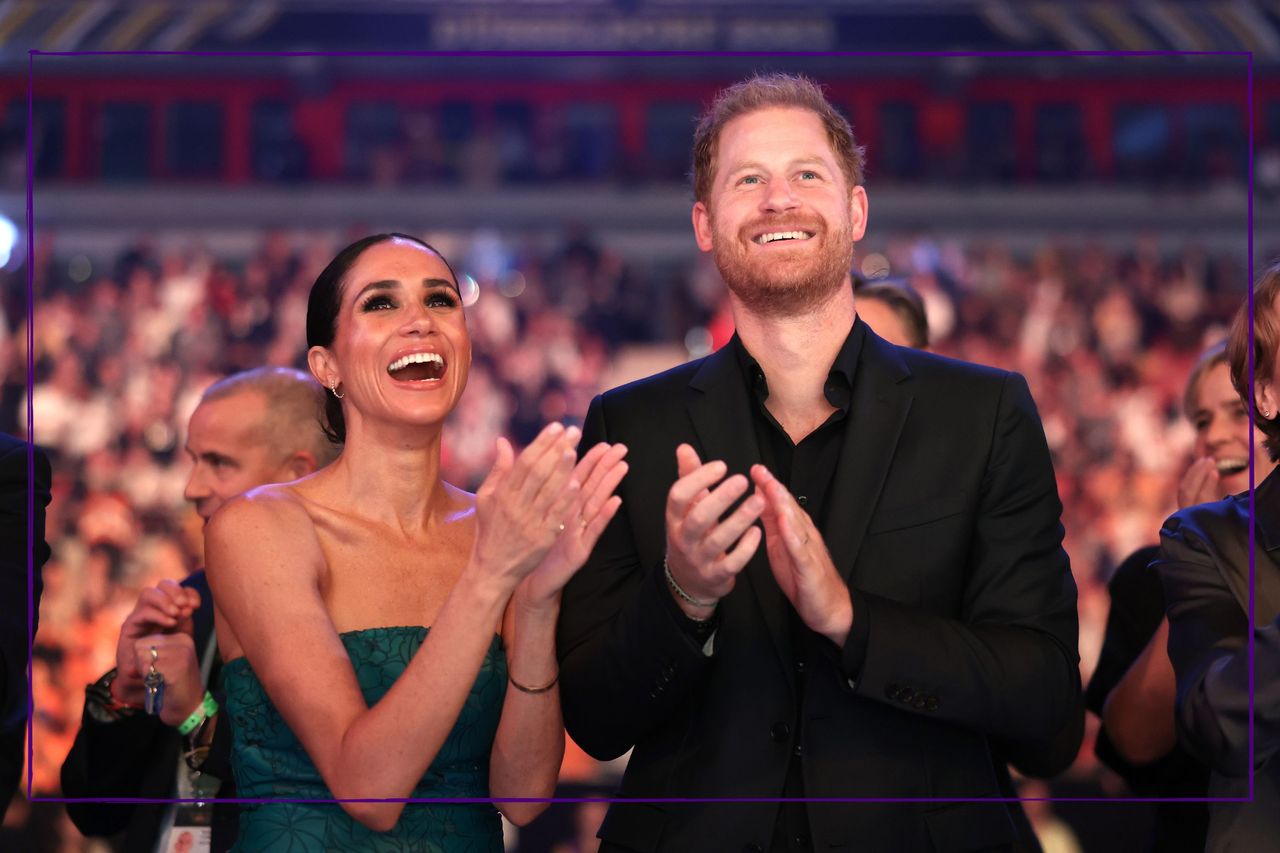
x=801, y=563
x=522, y=505
x=599, y=473
x=702, y=556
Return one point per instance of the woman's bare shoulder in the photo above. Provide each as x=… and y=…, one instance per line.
x=280, y=502
x=264, y=518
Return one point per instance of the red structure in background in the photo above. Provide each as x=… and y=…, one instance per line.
x=945, y=118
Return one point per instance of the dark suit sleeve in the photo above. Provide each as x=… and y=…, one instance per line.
x=626, y=661
x=13, y=596
x=13, y=565
x=134, y=756
x=116, y=759
x=1008, y=665
x=1207, y=644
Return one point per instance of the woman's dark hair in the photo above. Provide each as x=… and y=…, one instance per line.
x=1266, y=340
x=326, y=300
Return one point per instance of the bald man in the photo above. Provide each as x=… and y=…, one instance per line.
x=251, y=428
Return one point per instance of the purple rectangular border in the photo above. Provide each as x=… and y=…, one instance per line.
x=1253, y=519
x=31, y=54
x=31, y=432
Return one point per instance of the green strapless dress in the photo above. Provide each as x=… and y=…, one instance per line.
x=269, y=762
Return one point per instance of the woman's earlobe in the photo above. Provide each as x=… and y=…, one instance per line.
x=318, y=359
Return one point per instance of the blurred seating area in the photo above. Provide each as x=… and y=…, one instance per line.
x=512, y=122
x=1079, y=219
x=124, y=345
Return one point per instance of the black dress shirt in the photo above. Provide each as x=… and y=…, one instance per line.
x=806, y=469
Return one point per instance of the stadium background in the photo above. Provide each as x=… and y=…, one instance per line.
x=1082, y=219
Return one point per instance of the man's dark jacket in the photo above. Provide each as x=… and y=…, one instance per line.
x=1204, y=566
x=138, y=757
x=14, y=651
x=943, y=518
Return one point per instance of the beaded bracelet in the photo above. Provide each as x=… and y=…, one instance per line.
x=678, y=590
x=203, y=711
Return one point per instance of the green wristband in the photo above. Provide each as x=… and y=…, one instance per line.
x=203, y=711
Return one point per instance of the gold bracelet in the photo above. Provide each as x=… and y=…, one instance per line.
x=532, y=691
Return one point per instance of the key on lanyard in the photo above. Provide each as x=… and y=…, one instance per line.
x=153, y=698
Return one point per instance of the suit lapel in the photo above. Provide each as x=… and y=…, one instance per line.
x=1229, y=532
x=721, y=413
x=876, y=416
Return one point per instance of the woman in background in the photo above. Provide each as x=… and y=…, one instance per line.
x=1132, y=688
x=1205, y=566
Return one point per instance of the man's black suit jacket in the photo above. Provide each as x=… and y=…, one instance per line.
x=1204, y=566
x=14, y=652
x=944, y=518
x=138, y=757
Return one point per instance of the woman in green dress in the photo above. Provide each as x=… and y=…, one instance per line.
x=325, y=588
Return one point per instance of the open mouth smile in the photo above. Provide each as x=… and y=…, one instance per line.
x=1229, y=466
x=782, y=237
x=418, y=367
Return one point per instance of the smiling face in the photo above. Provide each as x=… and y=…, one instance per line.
x=779, y=217
x=1223, y=431
x=401, y=350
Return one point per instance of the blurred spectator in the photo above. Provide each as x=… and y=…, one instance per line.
x=894, y=311
x=250, y=428
x=1222, y=588
x=1133, y=688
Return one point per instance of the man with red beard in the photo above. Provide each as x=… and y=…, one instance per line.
x=911, y=612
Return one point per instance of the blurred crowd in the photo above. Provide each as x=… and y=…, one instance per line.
x=124, y=346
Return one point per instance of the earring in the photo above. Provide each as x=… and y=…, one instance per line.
x=333, y=387
x=1266, y=413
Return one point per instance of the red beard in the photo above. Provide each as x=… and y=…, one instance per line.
x=791, y=283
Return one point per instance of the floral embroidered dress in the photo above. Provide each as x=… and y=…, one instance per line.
x=270, y=763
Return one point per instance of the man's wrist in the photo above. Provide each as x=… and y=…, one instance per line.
x=101, y=702
x=700, y=629
x=697, y=609
x=837, y=631
x=204, y=710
